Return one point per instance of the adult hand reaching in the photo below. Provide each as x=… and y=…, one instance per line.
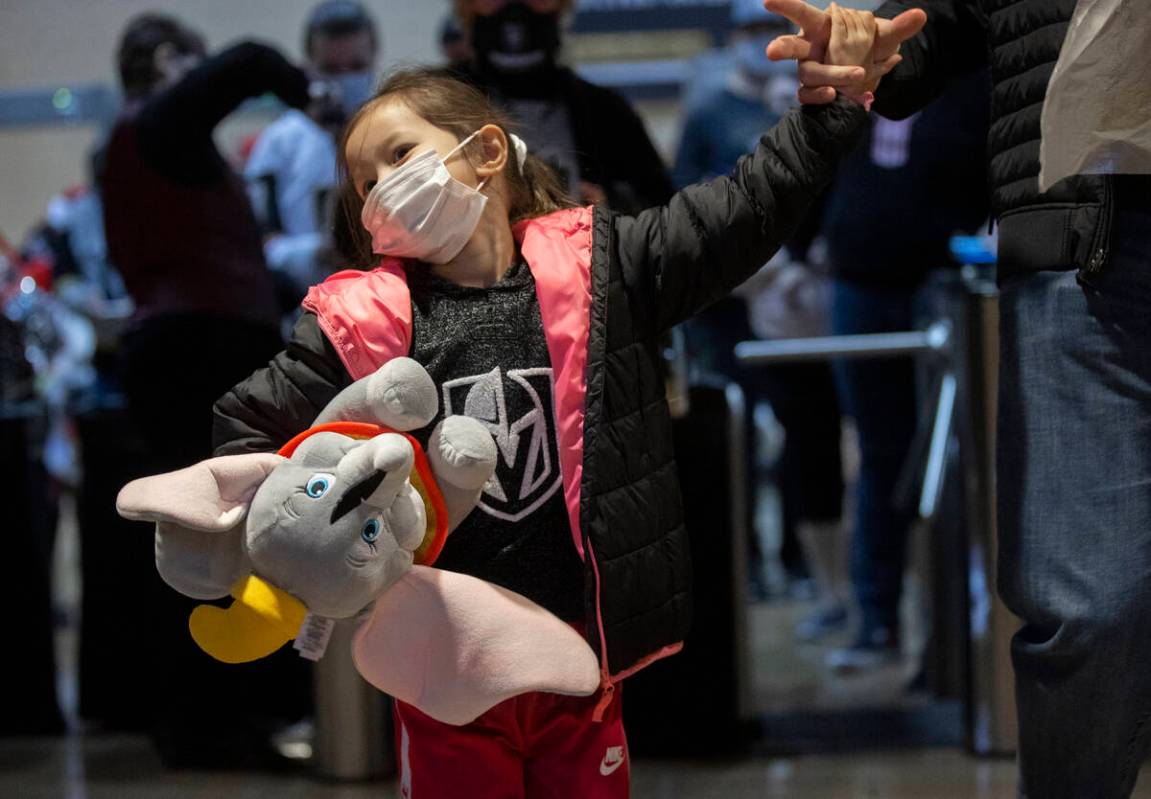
x=819, y=81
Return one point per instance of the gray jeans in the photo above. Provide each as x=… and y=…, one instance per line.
x=1074, y=483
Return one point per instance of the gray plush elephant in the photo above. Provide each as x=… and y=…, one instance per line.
x=340, y=525
x=336, y=523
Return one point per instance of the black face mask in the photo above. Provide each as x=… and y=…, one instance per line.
x=516, y=40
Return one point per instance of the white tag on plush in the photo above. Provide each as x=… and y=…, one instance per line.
x=313, y=638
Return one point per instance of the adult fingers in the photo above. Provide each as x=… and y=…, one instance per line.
x=907, y=24
x=816, y=95
x=788, y=48
x=891, y=32
x=807, y=17
x=812, y=73
x=888, y=64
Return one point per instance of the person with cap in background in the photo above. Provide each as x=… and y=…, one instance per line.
x=291, y=171
x=726, y=122
x=589, y=134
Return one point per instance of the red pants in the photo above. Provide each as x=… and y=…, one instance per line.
x=534, y=746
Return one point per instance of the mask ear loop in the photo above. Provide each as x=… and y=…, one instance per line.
x=459, y=147
x=519, y=147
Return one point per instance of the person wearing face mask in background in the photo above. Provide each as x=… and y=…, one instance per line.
x=723, y=121
x=589, y=134
x=180, y=228
x=291, y=171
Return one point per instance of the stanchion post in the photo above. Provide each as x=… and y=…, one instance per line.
x=739, y=441
x=352, y=730
x=992, y=723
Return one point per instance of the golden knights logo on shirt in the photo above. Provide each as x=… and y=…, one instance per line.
x=516, y=407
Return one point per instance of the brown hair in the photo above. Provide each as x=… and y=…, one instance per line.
x=460, y=109
x=144, y=35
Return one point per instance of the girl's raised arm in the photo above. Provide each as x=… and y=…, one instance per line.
x=712, y=236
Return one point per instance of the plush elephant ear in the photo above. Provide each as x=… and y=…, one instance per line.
x=199, y=513
x=212, y=495
x=455, y=646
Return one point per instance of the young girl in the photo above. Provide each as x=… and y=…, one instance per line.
x=542, y=320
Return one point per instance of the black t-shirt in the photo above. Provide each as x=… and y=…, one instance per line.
x=486, y=351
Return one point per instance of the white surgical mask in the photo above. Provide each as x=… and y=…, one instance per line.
x=421, y=211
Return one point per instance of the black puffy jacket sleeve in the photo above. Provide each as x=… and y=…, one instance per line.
x=953, y=42
x=262, y=413
x=713, y=236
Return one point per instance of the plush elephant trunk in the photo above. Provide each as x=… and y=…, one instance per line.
x=358, y=494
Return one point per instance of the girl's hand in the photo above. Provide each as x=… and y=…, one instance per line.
x=853, y=42
x=819, y=80
x=852, y=37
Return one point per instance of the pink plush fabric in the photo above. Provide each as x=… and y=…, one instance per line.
x=212, y=495
x=455, y=646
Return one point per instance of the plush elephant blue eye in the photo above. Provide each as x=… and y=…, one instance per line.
x=371, y=530
x=319, y=485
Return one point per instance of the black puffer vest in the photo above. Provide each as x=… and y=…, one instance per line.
x=1067, y=227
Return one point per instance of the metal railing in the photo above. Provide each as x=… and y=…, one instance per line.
x=934, y=341
x=963, y=349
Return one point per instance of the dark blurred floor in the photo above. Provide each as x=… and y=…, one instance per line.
x=126, y=768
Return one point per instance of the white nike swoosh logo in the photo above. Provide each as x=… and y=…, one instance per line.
x=606, y=768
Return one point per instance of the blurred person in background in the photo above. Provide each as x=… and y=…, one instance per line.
x=720, y=126
x=453, y=45
x=181, y=230
x=291, y=170
x=922, y=176
x=727, y=122
x=589, y=134
x=83, y=276
x=73, y=230
x=27, y=338
x=88, y=448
